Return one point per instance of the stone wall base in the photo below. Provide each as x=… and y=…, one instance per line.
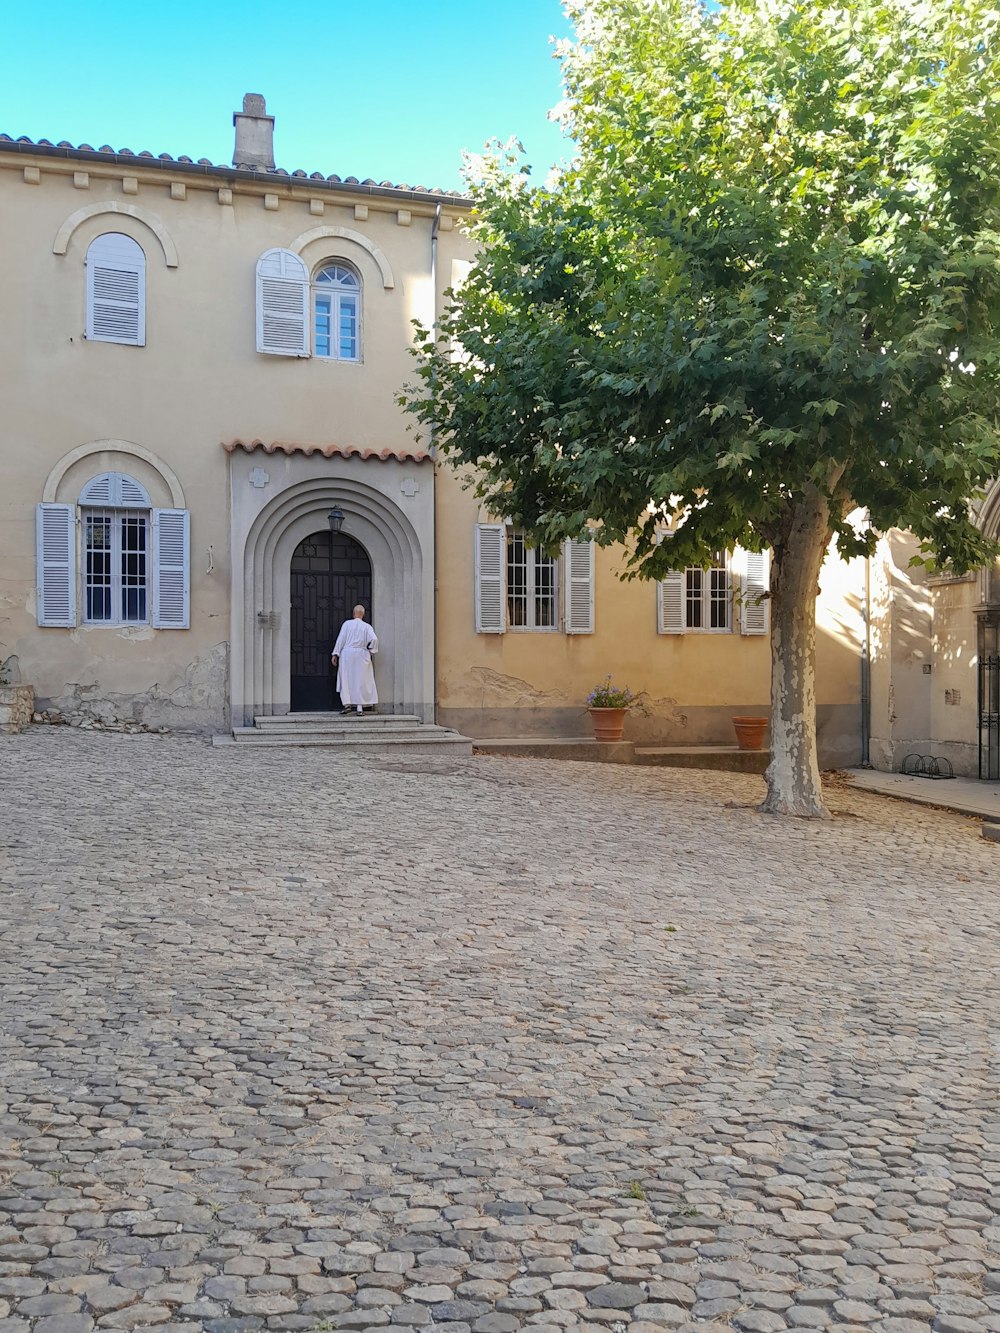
x=17, y=703
x=838, y=733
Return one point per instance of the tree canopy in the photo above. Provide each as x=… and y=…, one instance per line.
x=764, y=293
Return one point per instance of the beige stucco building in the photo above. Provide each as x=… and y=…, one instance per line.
x=201, y=362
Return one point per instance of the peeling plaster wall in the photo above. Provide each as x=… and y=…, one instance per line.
x=196, y=701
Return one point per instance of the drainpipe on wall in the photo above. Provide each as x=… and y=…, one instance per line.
x=866, y=671
x=435, y=225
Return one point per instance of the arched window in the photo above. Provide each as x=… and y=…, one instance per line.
x=116, y=290
x=135, y=559
x=337, y=313
x=114, y=516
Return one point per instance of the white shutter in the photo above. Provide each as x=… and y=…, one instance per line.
x=754, y=583
x=578, y=580
x=171, y=564
x=282, y=304
x=114, y=490
x=55, y=553
x=491, y=551
x=670, y=610
x=131, y=494
x=116, y=290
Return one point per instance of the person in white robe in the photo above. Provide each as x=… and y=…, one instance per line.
x=352, y=656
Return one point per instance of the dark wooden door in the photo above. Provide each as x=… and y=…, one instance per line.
x=331, y=574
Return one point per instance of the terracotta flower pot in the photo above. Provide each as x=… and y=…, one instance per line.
x=750, y=732
x=609, y=723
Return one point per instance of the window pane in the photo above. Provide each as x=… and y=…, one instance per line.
x=692, y=598
x=517, y=580
x=324, y=307
x=348, y=328
x=116, y=571
x=98, y=565
x=545, y=591
x=719, y=599
x=133, y=568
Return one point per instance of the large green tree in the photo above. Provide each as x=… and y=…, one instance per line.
x=765, y=294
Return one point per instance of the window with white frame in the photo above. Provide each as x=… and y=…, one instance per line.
x=300, y=317
x=116, y=568
x=519, y=587
x=116, y=290
x=133, y=559
x=532, y=585
x=705, y=601
x=337, y=313
x=708, y=596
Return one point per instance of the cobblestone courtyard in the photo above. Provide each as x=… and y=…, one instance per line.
x=297, y=1041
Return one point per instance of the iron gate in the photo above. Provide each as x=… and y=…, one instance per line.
x=989, y=717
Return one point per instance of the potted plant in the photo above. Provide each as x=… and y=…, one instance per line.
x=608, y=705
x=750, y=732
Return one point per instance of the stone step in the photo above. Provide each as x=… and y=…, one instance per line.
x=307, y=721
x=371, y=733
x=420, y=740
x=725, y=758
x=337, y=727
x=728, y=758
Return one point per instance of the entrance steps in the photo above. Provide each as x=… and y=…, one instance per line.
x=372, y=733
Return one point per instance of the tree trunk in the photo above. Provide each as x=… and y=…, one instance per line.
x=793, y=783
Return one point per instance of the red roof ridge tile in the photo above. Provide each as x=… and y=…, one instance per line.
x=405, y=454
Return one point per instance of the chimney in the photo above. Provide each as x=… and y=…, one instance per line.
x=254, y=135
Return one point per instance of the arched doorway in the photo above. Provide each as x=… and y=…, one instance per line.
x=330, y=574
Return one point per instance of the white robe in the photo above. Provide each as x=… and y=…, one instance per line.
x=353, y=650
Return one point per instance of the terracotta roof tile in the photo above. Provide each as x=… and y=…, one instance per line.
x=65, y=148
x=327, y=450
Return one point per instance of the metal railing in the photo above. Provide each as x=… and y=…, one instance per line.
x=989, y=718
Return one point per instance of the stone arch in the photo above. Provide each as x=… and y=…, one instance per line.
x=113, y=207
x=356, y=238
x=988, y=517
x=169, y=477
x=404, y=669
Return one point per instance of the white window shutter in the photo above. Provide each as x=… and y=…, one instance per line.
x=578, y=582
x=116, y=290
x=491, y=551
x=130, y=494
x=55, y=547
x=755, y=617
x=282, y=304
x=670, y=609
x=114, y=490
x=171, y=569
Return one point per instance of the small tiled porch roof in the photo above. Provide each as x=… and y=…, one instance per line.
x=406, y=454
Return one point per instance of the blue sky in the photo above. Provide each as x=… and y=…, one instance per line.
x=391, y=89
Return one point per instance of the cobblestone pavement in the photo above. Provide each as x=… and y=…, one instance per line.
x=297, y=1041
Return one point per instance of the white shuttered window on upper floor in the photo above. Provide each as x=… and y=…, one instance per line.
x=116, y=290
x=282, y=304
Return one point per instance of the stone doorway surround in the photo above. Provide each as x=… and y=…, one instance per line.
x=279, y=494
